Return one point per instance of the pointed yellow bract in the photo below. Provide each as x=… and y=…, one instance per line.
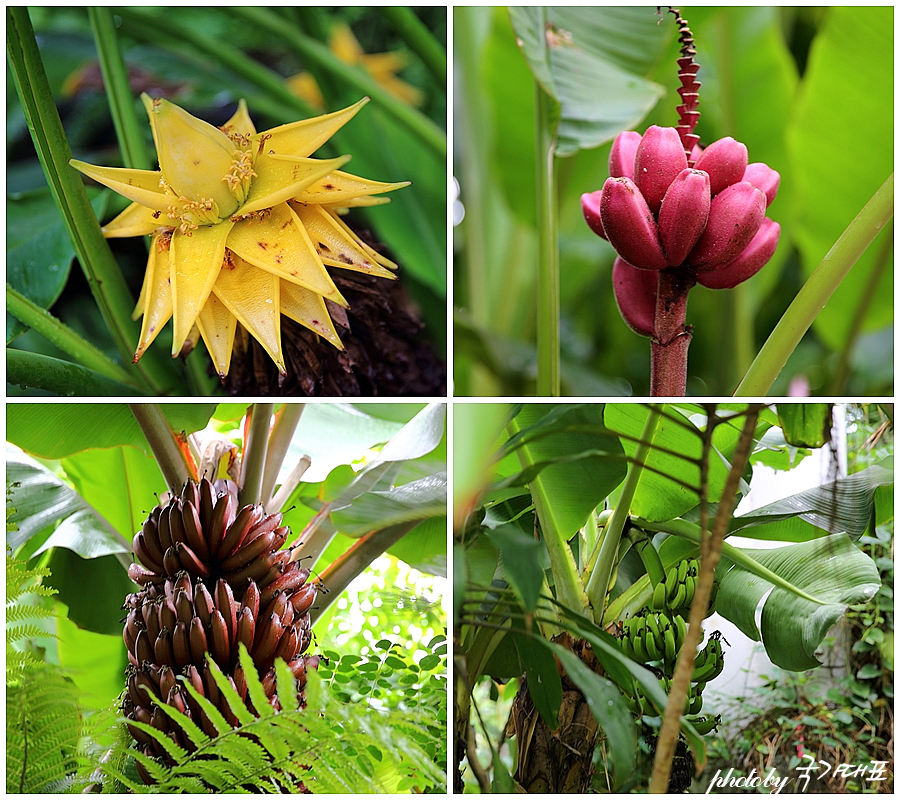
x=243, y=226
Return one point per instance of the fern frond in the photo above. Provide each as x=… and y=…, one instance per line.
x=43, y=727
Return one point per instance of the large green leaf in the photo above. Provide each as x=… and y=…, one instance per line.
x=120, y=482
x=592, y=61
x=573, y=487
x=805, y=424
x=39, y=250
x=845, y=107
x=790, y=627
x=43, y=500
x=844, y=505
x=677, y=450
x=56, y=430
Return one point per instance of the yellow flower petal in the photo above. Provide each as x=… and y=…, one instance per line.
x=279, y=244
x=303, y=138
x=332, y=243
x=359, y=243
x=309, y=309
x=341, y=187
x=196, y=260
x=139, y=185
x=217, y=325
x=136, y=220
x=240, y=122
x=279, y=178
x=193, y=155
x=156, y=294
x=252, y=295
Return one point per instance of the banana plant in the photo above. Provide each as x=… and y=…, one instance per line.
x=587, y=521
x=308, y=495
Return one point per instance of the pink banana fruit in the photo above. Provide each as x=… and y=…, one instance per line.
x=725, y=161
x=635, y=291
x=684, y=214
x=750, y=261
x=590, y=207
x=658, y=161
x=621, y=156
x=735, y=215
x=629, y=224
x=764, y=178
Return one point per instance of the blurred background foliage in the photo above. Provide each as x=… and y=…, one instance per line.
x=804, y=88
x=187, y=60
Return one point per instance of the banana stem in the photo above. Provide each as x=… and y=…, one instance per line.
x=598, y=583
x=671, y=336
x=174, y=461
x=254, y=459
x=286, y=420
x=343, y=570
x=684, y=666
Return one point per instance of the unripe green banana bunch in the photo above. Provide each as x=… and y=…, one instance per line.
x=677, y=591
x=654, y=637
x=710, y=660
x=693, y=703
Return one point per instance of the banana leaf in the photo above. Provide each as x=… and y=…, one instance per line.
x=831, y=568
x=842, y=506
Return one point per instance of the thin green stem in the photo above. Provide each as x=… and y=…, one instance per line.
x=598, y=583
x=62, y=336
x=104, y=277
x=811, y=298
x=419, y=39
x=318, y=54
x=254, y=456
x=129, y=129
x=548, y=245
x=37, y=371
x=174, y=461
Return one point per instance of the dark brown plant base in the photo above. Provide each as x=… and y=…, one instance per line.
x=556, y=762
x=386, y=353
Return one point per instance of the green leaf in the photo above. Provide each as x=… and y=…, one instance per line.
x=39, y=251
x=805, y=424
x=95, y=661
x=852, y=56
x=520, y=555
x=544, y=681
x=659, y=497
x=830, y=568
x=56, y=430
x=99, y=609
x=43, y=500
x=842, y=505
x=591, y=60
x=120, y=482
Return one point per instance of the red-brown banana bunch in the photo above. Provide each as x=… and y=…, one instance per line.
x=214, y=576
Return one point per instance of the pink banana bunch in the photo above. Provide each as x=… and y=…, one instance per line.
x=704, y=216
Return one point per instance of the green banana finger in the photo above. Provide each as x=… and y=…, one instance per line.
x=704, y=725
x=659, y=597
x=680, y=631
x=680, y=595
x=650, y=645
x=671, y=651
x=682, y=570
x=671, y=583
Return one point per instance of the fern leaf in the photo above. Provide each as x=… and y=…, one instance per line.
x=43, y=726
